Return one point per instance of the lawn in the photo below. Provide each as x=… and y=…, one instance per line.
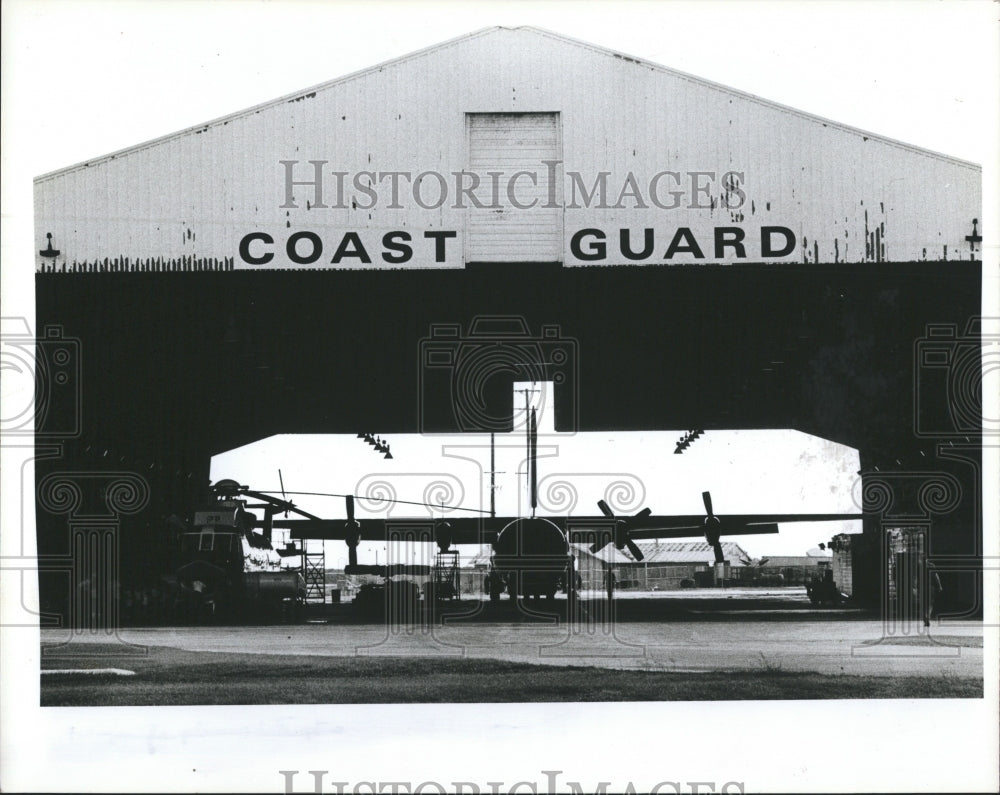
x=176, y=677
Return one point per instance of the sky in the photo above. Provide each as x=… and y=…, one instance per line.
x=914, y=74
x=83, y=78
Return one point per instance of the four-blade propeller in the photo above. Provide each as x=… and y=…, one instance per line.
x=622, y=531
x=622, y=537
x=231, y=489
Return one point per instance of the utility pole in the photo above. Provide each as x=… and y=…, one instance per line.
x=493, y=476
x=533, y=461
x=527, y=473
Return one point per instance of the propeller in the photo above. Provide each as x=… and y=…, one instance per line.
x=713, y=527
x=622, y=537
x=352, y=536
x=283, y=496
x=230, y=489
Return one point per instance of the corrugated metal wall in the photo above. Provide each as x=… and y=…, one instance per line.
x=187, y=200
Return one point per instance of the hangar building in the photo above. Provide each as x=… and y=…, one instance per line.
x=718, y=260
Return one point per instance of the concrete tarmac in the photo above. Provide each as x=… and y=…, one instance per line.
x=829, y=646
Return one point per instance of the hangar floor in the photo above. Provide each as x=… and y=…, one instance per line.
x=831, y=647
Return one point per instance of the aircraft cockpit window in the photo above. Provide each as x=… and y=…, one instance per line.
x=206, y=542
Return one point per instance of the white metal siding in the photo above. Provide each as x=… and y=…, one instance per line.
x=502, y=231
x=191, y=196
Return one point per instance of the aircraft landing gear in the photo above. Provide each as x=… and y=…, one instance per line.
x=495, y=586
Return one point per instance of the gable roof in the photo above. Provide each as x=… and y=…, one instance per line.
x=666, y=552
x=689, y=552
x=311, y=92
x=608, y=554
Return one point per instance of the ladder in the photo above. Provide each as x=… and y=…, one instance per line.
x=445, y=576
x=314, y=569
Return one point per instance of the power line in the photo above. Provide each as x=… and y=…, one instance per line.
x=380, y=499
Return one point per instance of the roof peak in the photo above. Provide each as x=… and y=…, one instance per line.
x=494, y=30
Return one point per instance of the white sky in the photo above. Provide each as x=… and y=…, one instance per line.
x=84, y=78
x=106, y=75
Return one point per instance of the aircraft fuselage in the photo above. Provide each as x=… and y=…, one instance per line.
x=531, y=558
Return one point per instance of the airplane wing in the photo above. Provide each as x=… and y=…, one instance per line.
x=625, y=531
x=728, y=524
x=462, y=530
x=475, y=530
x=598, y=530
x=690, y=526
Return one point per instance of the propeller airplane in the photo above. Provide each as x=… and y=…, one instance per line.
x=532, y=556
